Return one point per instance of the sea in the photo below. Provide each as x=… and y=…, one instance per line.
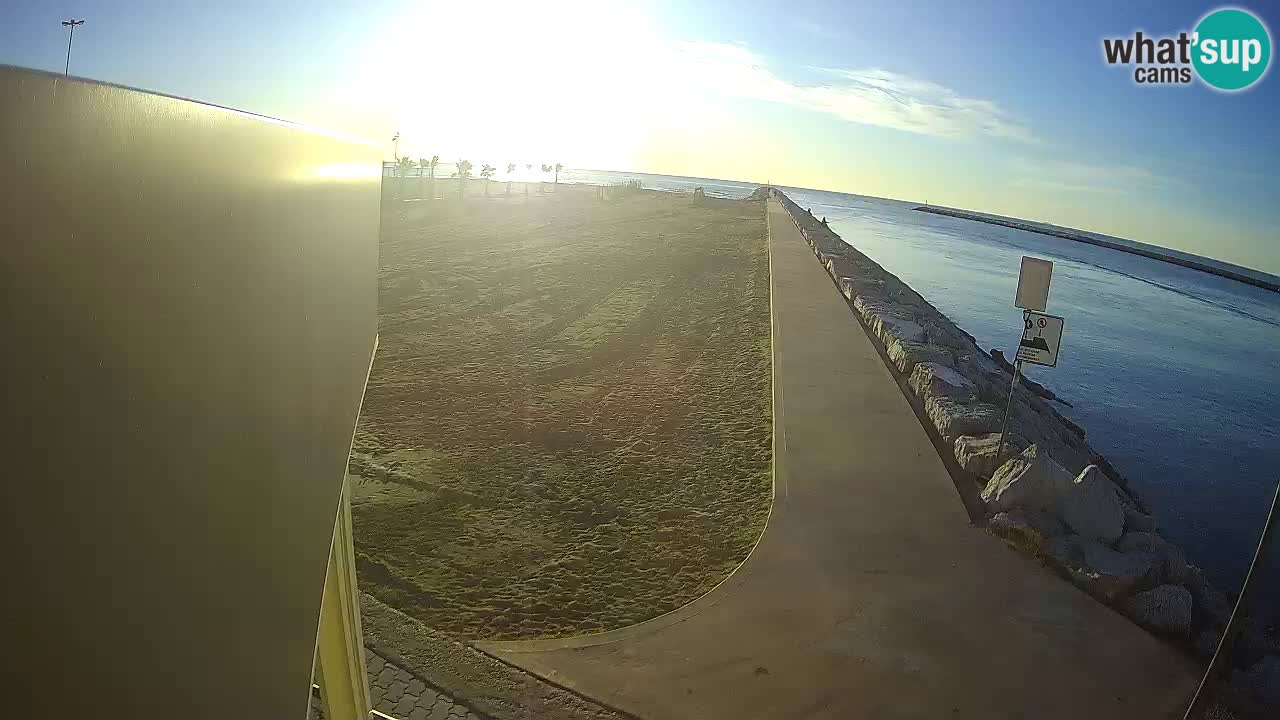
x=1173, y=372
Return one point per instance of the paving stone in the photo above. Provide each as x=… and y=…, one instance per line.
x=402, y=695
x=395, y=690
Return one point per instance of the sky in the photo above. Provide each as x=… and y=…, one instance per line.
x=1001, y=107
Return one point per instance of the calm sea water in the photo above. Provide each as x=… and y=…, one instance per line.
x=1174, y=373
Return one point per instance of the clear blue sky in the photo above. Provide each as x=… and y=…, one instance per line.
x=1004, y=107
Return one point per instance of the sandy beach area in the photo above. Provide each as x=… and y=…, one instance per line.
x=568, y=423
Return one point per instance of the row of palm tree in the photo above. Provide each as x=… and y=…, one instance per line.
x=463, y=171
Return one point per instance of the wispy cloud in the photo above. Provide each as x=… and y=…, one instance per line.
x=867, y=96
x=1081, y=177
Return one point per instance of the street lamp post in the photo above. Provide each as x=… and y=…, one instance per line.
x=72, y=23
x=395, y=151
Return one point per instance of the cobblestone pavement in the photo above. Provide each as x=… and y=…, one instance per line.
x=399, y=693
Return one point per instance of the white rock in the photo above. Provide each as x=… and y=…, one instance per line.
x=1102, y=572
x=1089, y=505
x=888, y=321
x=900, y=328
x=1012, y=525
x=906, y=355
x=848, y=287
x=1165, y=609
x=930, y=379
x=977, y=453
x=953, y=418
x=1029, y=481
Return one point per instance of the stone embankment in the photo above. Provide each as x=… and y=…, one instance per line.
x=1054, y=496
x=1244, y=275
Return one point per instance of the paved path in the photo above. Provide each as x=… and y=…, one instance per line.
x=398, y=693
x=869, y=595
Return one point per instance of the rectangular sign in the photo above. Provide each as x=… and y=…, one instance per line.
x=1041, y=338
x=1033, y=284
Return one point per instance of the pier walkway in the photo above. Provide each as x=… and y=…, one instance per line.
x=869, y=595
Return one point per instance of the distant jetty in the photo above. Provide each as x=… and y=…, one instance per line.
x=1177, y=259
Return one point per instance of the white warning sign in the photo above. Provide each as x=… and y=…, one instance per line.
x=1041, y=338
x=1034, y=277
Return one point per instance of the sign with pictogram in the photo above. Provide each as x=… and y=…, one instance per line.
x=1041, y=338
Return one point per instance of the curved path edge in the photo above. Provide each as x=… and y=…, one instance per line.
x=698, y=604
x=868, y=593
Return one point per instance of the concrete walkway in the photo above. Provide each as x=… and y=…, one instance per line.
x=869, y=595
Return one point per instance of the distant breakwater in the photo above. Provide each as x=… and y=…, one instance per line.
x=1051, y=495
x=1091, y=240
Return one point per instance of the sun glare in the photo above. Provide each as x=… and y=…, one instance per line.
x=525, y=82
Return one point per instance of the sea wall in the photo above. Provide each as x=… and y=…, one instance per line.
x=1244, y=277
x=1054, y=495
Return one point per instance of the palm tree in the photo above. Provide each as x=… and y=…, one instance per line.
x=423, y=164
x=511, y=167
x=541, y=183
x=402, y=166
x=487, y=172
x=435, y=160
x=464, y=171
x=559, y=167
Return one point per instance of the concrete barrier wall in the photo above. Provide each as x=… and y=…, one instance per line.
x=189, y=310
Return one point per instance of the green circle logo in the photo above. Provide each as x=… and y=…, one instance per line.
x=1232, y=49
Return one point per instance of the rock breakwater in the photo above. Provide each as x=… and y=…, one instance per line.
x=1056, y=497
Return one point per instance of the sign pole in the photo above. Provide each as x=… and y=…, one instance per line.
x=1008, y=404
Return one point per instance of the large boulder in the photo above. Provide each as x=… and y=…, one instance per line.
x=905, y=355
x=1030, y=480
x=1087, y=503
x=888, y=321
x=1135, y=520
x=1254, y=641
x=1042, y=522
x=1206, y=642
x=1097, y=569
x=953, y=417
x=977, y=453
x=1172, y=563
x=1091, y=506
x=930, y=379
x=1262, y=680
x=1212, y=607
x=1015, y=528
x=1165, y=609
x=839, y=267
